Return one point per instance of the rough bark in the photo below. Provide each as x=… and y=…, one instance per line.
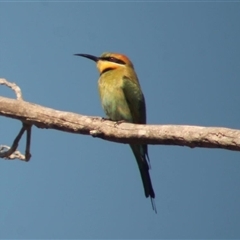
x=191, y=136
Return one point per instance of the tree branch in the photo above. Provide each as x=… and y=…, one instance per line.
x=11, y=152
x=191, y=136
x=13, y=86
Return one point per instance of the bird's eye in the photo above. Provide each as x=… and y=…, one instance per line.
x=112, y=59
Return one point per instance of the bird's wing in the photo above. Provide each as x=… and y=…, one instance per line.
x=136, y=103
x=135, y=100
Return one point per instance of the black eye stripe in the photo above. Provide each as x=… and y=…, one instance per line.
x=113, y=59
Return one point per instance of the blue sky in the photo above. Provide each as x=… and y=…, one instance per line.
x=187, y=58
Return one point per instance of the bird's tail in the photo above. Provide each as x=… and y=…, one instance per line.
x=140, y=153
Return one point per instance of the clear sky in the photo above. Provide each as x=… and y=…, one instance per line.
x=187, y=57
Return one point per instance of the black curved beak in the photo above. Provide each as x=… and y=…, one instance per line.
x=95, y=59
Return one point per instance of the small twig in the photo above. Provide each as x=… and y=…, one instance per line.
x=15, y=155
x=14, y=146
x=11, y=153
x=28, y=128
x=13, y=86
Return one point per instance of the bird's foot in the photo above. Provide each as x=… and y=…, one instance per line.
x=105, y=119
x=115, y=122
x=119, y=122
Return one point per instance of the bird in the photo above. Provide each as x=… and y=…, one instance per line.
x=123, y=101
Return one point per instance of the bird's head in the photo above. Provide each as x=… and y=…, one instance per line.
x=108, y=61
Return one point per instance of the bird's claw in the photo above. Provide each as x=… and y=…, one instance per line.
x=105, y=119
x=119, y=122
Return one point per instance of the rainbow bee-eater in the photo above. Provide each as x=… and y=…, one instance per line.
x=122, y=100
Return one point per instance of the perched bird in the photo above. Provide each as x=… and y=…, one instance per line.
x=122, y=100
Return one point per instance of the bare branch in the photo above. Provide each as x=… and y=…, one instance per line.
x=191, y=136
x=28, y=127
x=14, y=155
x=13, y=86
x=11, y=153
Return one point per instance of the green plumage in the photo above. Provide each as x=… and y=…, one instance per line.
x=122, y=99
